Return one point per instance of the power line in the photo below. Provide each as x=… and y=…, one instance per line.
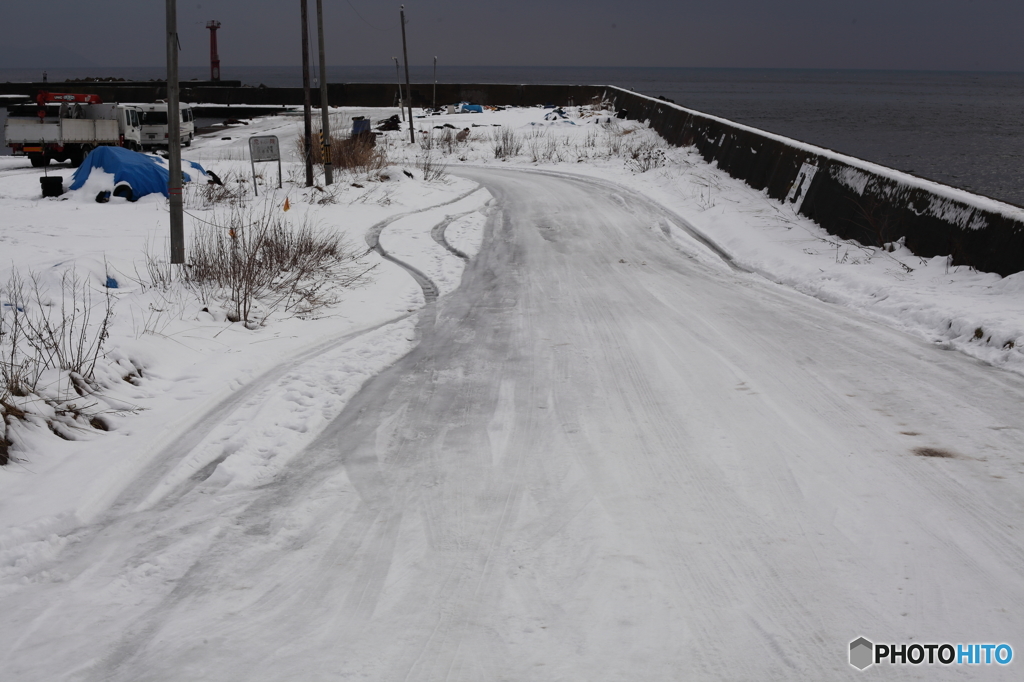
x=363, y=18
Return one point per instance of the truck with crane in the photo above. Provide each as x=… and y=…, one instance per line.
x=67, y=126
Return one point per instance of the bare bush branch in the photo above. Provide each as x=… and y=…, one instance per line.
x=360, y=153
x=432, y=169
x=258, y=261
x=19, y=368
x=645, y=155
x=506, y=143
x=64, y=337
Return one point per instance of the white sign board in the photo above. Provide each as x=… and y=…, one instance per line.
x=264, y=148
x=798, y=191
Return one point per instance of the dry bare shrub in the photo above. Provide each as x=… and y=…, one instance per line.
x=159, y=271
x=428, y=140
x=65, y=338
x=536, y=140
x=360, y=153
x=39, y=332
x=506, y=143
x=447, y=140
x=613, y=135
x=5, y=444
x=546, y=146
x=431, y=168
x=257, y=261
x=234, y=189
x=645, y=155
x=19, y=368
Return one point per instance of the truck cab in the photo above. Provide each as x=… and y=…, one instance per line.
x=155, y=125
x=129, y=122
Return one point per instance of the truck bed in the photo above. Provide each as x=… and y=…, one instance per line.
x=61, y=131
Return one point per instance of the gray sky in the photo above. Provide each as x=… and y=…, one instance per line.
x=871, y=34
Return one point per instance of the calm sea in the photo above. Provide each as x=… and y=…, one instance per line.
x=962, y=129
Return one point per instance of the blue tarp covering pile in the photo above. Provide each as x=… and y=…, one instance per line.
x=145, y=174
x=466, y=108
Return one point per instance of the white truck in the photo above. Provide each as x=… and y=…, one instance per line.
x=62, y=127
x=155, y=125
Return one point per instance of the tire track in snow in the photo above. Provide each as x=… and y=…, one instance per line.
x=143, y=493
x=438, y=233
x=12, y=172
x=191, y=437
x=430, y=290
x=621, y=193
x=194, y=435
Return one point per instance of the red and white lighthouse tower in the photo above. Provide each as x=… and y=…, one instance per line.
x=214, y=58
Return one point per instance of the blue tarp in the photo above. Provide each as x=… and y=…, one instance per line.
x=471, y=109
x=145, y=173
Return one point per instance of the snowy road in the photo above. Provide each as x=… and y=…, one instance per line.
x=609, y=458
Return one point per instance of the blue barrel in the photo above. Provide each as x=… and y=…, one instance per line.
x=360, y=125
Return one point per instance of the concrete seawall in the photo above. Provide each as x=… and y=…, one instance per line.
x=848, y=197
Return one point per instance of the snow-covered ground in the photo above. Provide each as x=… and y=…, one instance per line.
x=981, y=314
x=172, y=358
x=196, y=404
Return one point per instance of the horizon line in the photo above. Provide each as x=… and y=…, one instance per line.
x=429, y=65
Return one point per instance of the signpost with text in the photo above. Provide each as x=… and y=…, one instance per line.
x=264, y=148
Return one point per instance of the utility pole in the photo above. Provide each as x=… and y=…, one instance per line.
x=307, y=109
x=408, y=87
x=433, y=104
x=401, y=100
x=325, y=123
x=174, y=138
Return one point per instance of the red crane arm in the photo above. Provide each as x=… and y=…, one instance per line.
x=50, y=97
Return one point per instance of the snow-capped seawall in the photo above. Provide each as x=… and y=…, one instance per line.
x=849, y=197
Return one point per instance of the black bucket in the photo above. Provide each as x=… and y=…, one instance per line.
x=53, y=185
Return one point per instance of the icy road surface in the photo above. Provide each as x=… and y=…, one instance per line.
x=611, y=457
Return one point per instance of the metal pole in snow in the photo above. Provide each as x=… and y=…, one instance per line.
x=307, y=109
x=408, y=87
x=174, y=139
x=433, y=104
x=255, y=185
x=325, y=124
x=401, y=100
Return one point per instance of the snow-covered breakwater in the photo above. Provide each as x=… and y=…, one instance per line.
x=848, y=197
